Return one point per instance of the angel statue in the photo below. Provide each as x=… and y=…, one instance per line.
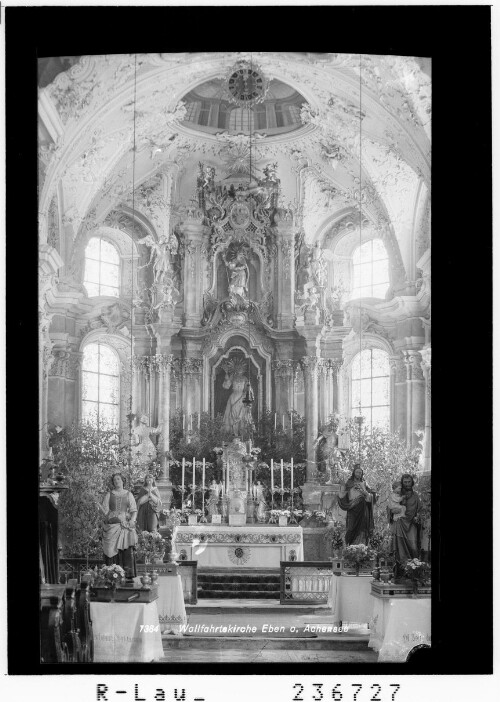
x=159, y=256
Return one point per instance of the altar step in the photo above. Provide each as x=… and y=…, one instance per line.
x=239, y=585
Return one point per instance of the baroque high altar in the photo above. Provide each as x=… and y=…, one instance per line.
x=235, y=240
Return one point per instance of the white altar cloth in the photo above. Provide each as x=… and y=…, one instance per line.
x=350, y=598
x=249, y=546
x=117, y=632
x=398, y=625
x=171, y=607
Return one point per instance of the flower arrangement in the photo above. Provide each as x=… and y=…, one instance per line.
x=110, y=575
x=381, y=541
x=317, y=515
x=275, y=514
x=334, y=534
x=417, y=571
x=150, y=544
x=359, y=556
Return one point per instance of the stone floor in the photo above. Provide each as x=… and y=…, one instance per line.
x=264, y=647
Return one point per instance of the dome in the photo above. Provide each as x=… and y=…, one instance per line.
x=211, y=109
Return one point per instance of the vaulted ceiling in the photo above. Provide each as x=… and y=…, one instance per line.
x=363, y=141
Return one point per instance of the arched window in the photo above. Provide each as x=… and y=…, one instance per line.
x=370, y=387
x=370, y=270
x=100, y=386
x=102, y=268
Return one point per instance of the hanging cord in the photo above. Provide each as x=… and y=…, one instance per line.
x=131, y=416
x=360, y=244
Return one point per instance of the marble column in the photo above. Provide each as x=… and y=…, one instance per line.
x=398, y=395
x=193, y=230
x=192, y=369
x=415, y=396
x=283, y=386
x=163, y=364
x=310, y=367
x=285, y=283
x=427, y=448
x=45, y=361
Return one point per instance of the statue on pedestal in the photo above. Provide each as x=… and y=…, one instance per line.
x=213, y=498
x=235, y=414
x=261, y=502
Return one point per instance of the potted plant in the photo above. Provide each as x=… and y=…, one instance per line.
x=358, y=556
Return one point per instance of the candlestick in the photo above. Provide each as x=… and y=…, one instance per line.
x=194, y=480
x=182, y=492
x=291, y=476
x=203, y=488
x=282, y=485
x=272, y=475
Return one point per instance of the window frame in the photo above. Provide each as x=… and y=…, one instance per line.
x=354, y=410
x=98, y=402
x=371, y=262
x=100, y=261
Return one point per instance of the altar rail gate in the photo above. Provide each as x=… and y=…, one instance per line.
x=305, y=582
x=75, y=568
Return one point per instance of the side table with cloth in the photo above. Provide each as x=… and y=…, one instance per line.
x=117, y=632
x=398, y=625
x=350, y=598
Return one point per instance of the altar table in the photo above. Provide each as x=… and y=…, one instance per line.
x=398, y=625
x=117, y=632
x=350, y=599
x=248, y=546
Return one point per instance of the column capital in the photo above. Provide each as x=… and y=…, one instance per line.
x=413, y=360
x=283, y=367
x=310, y=364
x=398, y=368
x=192, y=366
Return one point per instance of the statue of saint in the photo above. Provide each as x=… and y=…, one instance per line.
x=405, y=523
x=213, y=499
x=328, y=442
x=317, y=265
x=238, y=275
x=261, y=502
x=144, y=449
x=357, y=499
x=236, y=414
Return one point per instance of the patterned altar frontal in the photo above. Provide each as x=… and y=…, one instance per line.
x=244, y=546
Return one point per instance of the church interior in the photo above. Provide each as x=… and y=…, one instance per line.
x=234, y=356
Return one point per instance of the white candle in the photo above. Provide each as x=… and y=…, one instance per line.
x=183, y=469
x=199, y=420
x=191, y=422
x=203, y=476
x=272, y=475
x=283, y=421
x=291, y=474
x=275, y=421
x=282, y=474
x=184, y=423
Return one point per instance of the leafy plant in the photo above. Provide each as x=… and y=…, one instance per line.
x=87, y=456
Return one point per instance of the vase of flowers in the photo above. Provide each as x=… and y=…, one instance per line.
x=358, y=556
x=417, y=572
x=111, y=576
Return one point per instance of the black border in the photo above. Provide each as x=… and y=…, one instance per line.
x=457, y=38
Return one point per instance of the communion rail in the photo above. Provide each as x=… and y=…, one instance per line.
x=305, y=582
